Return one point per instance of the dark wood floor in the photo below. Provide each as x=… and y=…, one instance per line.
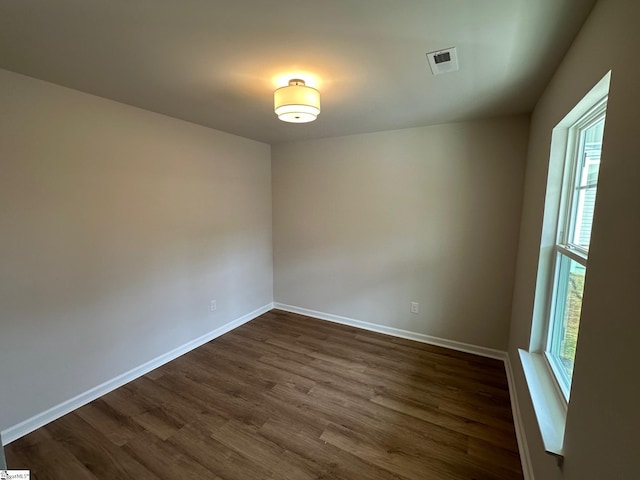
x=290, y=397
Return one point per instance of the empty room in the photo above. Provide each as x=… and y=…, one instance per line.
x=353, y=240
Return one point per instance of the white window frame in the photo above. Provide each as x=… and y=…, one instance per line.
x=549, y=401
x=565, y=227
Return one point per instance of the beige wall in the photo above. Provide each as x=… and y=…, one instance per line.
x=365, y=224
x=602, y=425
x=118, y=227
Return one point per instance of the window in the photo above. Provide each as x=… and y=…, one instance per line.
x=570, y=196
x=571, y=251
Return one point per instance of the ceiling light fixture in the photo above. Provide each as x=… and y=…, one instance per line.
x=297, y=103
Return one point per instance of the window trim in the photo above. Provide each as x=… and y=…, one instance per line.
x=565, y=227
x=549, y=404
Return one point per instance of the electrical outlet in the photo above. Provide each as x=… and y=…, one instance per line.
x=213, y=306
x=415, y=307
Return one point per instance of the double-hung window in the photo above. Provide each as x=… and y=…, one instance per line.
x=570, y=199
x=571, y=251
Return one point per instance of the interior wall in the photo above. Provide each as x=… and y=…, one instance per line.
x=366, y=224
x=602, y=421
x=118, y=227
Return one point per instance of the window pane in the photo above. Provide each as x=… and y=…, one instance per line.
x=584, y=198
x=586, y=203
x=566, y=315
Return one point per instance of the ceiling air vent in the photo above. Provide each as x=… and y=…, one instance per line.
x=443, y=61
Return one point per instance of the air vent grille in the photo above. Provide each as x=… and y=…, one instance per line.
x=443, y=61
x=442, y=57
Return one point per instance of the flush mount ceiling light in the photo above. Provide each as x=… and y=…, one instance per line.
x=297, y=103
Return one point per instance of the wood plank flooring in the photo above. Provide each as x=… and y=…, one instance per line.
x=291, y=397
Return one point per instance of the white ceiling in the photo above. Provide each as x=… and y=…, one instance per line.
x=217, y=62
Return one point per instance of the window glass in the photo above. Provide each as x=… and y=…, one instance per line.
x=584, y=198
x=567, y=308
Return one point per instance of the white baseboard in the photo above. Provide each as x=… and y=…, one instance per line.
x=395, y=332
x=523, y=447
x=41, y=419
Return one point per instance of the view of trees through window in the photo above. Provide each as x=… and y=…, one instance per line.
x=573, y=307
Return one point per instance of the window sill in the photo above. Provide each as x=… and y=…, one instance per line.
x=548, y=403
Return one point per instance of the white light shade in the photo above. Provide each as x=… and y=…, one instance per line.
x=297, y=103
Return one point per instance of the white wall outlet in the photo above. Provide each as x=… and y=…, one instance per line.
x=415, y=307
x=213, y=306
